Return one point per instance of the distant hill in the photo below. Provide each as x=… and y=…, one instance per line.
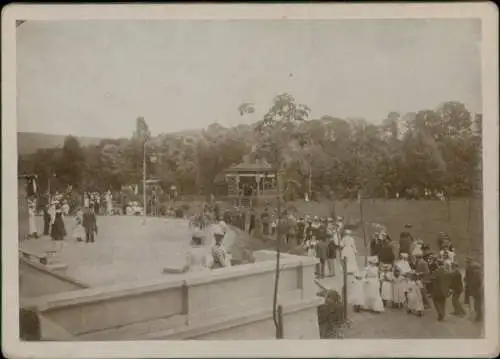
x=29, y=142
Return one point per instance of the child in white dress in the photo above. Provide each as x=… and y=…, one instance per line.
x=311, y=247
x=387, y=279
x=373, y=301
x=79, y=231
x=356, y=293
x=398, y=286
x=415, y=301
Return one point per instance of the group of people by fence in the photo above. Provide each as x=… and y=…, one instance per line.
x=415, y=279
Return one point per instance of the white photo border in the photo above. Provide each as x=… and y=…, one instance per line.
x=488, y=346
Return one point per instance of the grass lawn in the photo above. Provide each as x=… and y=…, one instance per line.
x=461, y=218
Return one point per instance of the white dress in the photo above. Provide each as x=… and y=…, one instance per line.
x=355, y=294
x=349, y=252
x=415, y=301
x=399, y=289
x=198, y=259
x=311, y=248
x=32, y=221
x=387, y=291
x=373, y=301
x=79, y=231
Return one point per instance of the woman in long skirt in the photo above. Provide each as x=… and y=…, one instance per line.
x=373, y=301
x=387, y=279
x=349, y=252
x=356, y=294
x=415, y=300
x=32, y=230
x=58, y=231
x=399, y=287
x=79, y=231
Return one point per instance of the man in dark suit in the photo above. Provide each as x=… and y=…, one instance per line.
x=474, y=288
x=440, y=289
x=90, y=225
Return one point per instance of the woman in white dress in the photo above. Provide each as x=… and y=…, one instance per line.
x=401, y=270
x=79, y=231
x=415, y=300
x=32, y=229
x=373, y=301
x=109, y=203
x=348, y=248
x=197, y=257
x=387, y=279
x=355, y=295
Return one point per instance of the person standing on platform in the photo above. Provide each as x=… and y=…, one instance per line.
x=322, y=255
x=333, y=245
x=58, y=230
x=32, y=229
x=90, y=225
x=46, y=220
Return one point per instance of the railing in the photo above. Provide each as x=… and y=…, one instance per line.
x=188, y=307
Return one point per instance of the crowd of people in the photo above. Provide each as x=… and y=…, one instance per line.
x=415, y=279
x=85, y=225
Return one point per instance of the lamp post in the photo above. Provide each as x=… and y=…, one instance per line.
x=144, y=179
x=53, y=174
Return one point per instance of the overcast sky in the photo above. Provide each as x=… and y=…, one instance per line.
x=93, y=78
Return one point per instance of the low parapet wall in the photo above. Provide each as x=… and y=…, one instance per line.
x=229, y=303
x=37, y=280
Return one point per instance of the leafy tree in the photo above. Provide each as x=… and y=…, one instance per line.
x=71, y=165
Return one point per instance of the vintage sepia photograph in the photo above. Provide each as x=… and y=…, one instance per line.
x=252, y=178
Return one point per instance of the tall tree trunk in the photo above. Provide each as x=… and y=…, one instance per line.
x=276, y=314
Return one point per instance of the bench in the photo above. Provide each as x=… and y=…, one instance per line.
x=43, y=259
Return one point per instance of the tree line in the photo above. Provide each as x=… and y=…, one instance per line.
x=406, y=155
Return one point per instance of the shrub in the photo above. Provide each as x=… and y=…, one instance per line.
x=331, y=318
x=179, y=213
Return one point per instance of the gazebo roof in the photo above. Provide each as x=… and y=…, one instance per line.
x=250, y=167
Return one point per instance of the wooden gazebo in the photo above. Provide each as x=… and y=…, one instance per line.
x=247, y=182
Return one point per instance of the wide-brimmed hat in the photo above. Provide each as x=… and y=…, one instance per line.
x=404, y=255
x=218, y=231
x=372, y=260
x=348, y=231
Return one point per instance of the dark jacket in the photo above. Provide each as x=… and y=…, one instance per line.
x=89, y=221
x=386, y=254
x=422, y=268
x=405, y=241
x=456, y=284
x=332, y=250
x=473, y=282
x=322, y=250
x=374, y=246
x=440, y=284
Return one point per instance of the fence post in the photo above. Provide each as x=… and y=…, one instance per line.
x=280, y=322
x=344, y=288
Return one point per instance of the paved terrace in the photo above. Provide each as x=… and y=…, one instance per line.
x=124, y=251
